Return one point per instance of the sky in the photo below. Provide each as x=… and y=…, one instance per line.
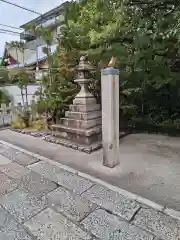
x=13, y=16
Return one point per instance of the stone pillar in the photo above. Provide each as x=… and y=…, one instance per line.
x=110, y=116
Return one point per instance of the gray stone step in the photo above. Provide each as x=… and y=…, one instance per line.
x=86, y=133
x=75, y=145
x=84, y=108
x=83, y=115
x=81, y=136
x=75, y=123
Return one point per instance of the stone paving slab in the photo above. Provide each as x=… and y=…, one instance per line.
x=22, y=205
x=14, y=170
x=64, y=178
x=13, y=236
x=2, y=147
x=112, y=201
x=36, y=184
x=47, y=170
x=4, y=160
x=78, y=209
x=159, y=224
x=9, y=152
x=15, y=155
x=70, y=205
x=25, y=159
x=107, y=226
x=10, y=229
x=6, y=184
x=51, y=225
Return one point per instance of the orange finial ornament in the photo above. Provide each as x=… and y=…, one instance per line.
x=112, y=62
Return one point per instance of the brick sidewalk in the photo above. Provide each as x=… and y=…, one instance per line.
x=41, y=200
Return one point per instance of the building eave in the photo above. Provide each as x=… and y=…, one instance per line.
x=32, y=61
x=46, y=16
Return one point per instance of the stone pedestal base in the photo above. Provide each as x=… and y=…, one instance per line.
x=80, y=129
x=76, y=146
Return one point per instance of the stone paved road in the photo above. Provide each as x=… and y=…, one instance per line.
x=40, y=200
x=149, y=164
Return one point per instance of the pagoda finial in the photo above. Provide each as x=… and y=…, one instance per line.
x=84, y=58
x=84, y=64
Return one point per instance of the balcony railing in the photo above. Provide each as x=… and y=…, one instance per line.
x=27, y=35
x=51, y=22
x=32, y=45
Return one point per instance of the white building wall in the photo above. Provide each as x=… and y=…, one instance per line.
x=18, y=55
x=15, y=93
x=34, y=44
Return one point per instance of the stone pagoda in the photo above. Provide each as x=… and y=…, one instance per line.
x=81, y=128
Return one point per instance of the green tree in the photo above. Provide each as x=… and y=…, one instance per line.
x=21, y=77
x=144, y=36
x=57, y=89
x=3, y=75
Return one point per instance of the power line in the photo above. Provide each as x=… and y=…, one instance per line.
x=16, y=5
x=9, y=31
x=13, y=34
x=4, y=25
x=6, y=31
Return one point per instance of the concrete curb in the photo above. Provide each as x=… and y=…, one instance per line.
x=173, y=213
